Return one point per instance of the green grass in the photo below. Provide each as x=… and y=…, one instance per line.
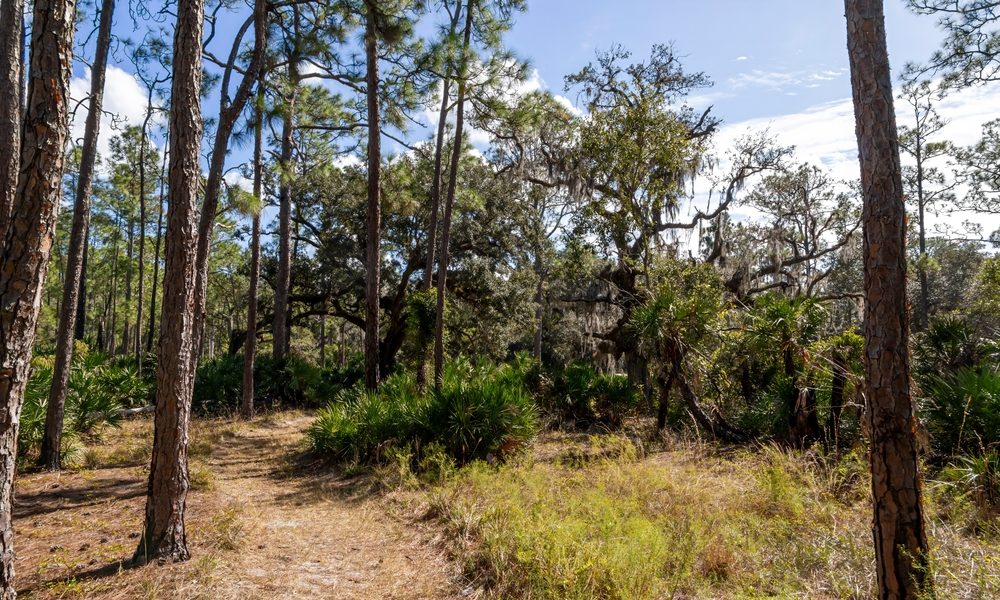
x=685, y=523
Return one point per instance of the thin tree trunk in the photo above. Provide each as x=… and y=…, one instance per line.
x=151, y=331
x=81, y=306
x=229, y=111
x=539, y=307
x=50, y=457
x=10, y=106
x=432, y=224
x=126, y=347
x=283, y=281
x=27, y=237
x=837, y=397
x=901, y=549
x=373, y=257
x=141, y=291
x=456, y=156
x=163, y=536
x=250, y=351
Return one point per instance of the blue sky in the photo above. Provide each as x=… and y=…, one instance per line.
x=766, y=57
x=779, y=65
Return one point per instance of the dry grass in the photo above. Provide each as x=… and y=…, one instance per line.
x=590, y=518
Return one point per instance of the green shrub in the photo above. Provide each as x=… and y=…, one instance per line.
x=98, y=389
x=293, y=381
x=962, y=411
x=360, y=426
x=583, y=397
x=479, y=412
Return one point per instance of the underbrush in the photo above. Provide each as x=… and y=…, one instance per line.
x=686, y=523
x=479, y=412
x=99, y=388
x=290, y=382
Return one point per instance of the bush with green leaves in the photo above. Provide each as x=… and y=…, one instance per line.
x=583, y=397
x=99, y=388
x=958, y=390
x=479, y=412
x=293, y=381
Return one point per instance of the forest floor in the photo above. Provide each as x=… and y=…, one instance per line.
x=581, y=517
x=261, y=524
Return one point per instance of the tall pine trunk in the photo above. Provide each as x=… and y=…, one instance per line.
x=901, y=550
x=283, y=281
x=10, y=106
x=29, y=224
x=456, y=157
x=163, y=536
x=54, y=412
x=373, y=257
x=151, y=330
x=250, y=350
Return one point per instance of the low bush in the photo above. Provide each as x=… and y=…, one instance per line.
x=478, y=413
x=962, y=410
x=98, y=390
x=582, y=397
x=293, y=382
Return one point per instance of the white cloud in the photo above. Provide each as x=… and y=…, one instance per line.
x=568, y=104
x=239, y=180
x=824, y=134
x=780, y=80
x=741, y=58
x=124, y=103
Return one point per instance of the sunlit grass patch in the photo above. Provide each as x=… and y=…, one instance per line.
x=683, y=523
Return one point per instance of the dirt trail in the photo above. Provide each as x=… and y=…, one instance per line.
x=260, y=525
x=318, y=537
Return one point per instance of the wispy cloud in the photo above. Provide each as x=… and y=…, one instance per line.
x=781, y=80
x=824, y=134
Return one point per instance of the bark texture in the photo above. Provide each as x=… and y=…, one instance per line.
x=50, y=457
x=163, y=536
x=10, y=105
x=900, y=537
x=30, y=224
x=373, y=254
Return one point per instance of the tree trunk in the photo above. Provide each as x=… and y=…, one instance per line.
x=151, y=331
x=126, y=347
x=665, y=385
x=901, y=549
x=163, y=536
x=250, y=351
x=10, y=106
x=50, y=457
x=283, y=281
x=141, y=291
x=432, y=224
x=80, y=327
x=456, y=157
x=539, y=307
x=373, y=255
x=230, y=110
x=30, y=224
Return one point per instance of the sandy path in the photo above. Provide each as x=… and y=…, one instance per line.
x=317, y=537
x=264, y=526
